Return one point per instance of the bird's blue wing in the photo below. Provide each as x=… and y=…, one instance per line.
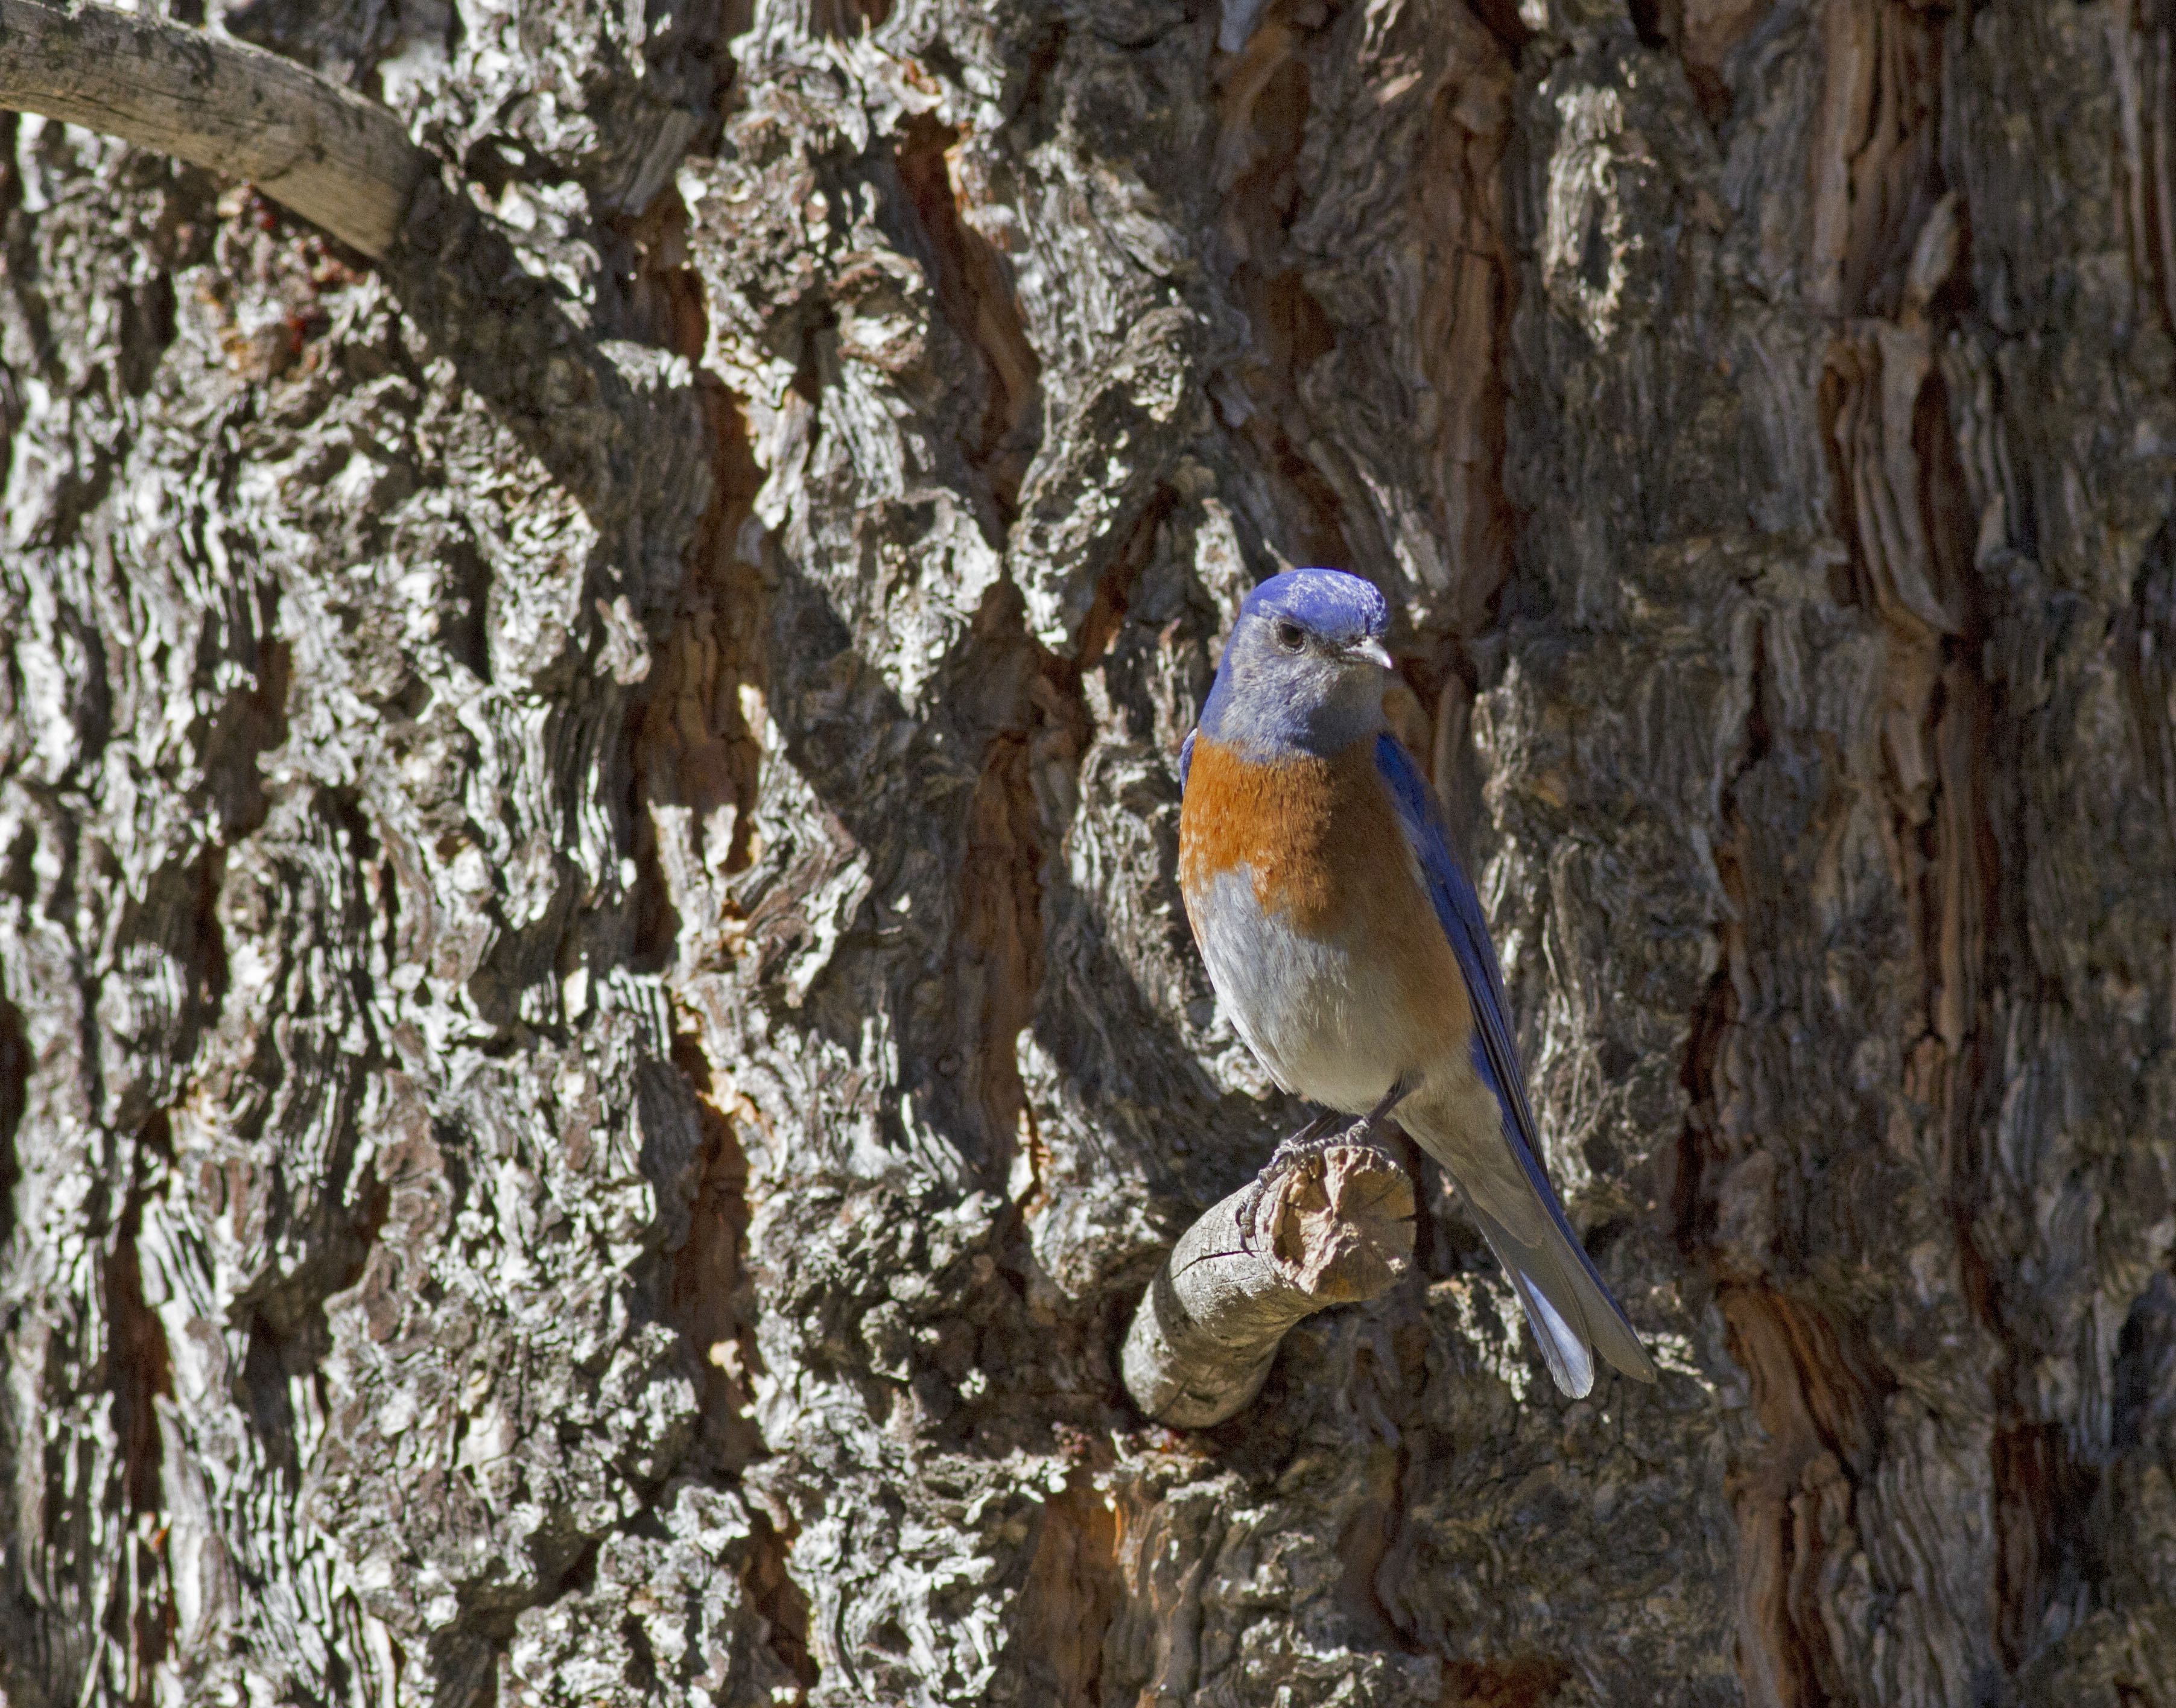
x=1186, y=757
x=1557, y=1281
x=1495, y=1056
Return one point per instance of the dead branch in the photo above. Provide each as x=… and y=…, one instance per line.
x=342, y=162
x=345, y=165
x=1334, y=1227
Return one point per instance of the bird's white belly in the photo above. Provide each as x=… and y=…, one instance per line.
x=1310, y=1009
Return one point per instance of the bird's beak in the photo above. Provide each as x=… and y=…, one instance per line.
x=1375, y=653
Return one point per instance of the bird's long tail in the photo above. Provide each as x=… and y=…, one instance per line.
x=1568, y=1305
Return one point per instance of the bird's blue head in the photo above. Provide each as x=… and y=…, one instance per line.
x=1305, y=668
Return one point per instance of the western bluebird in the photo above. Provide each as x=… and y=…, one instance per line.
x=1348, y=945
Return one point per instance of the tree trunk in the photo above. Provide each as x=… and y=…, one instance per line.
x=598, y=1044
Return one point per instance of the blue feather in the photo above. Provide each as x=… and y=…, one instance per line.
x=1459, y=910
x=1495, y=1055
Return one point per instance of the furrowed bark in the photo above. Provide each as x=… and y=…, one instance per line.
x=342, y=162
x=345, y=165
x=596, y=1035
x=1331, y=1229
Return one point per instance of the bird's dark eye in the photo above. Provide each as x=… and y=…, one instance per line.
x=1290, y=636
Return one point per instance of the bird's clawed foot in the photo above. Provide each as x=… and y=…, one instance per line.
x=1313, y=1141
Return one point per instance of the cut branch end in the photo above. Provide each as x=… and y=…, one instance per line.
x=1333, y=1227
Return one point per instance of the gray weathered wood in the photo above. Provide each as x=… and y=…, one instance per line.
x=342, y=162
x=1334, y=1228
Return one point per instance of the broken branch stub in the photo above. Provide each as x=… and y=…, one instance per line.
x=343, y=163
x=1335, y=1228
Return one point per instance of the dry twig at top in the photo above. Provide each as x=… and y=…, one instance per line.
x=342, y=162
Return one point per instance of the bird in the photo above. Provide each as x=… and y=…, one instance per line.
x=1348, y=946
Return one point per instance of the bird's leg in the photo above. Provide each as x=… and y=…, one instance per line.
x=1317, y=1136
x=1308, y=1138
x=1312, y=1140
x=1400, y=1089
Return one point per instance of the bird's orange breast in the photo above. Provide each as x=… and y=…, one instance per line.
x=1275, y=819
x=1320, y=839
x=1325, y=859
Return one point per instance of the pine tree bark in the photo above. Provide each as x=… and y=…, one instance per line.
x=597, y=1045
